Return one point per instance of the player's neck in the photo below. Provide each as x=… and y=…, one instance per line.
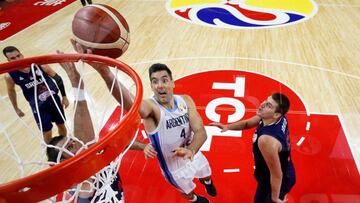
x=169, y=105
x=269, y=121
x=25, y=70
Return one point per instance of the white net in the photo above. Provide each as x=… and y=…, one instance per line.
x=23, y=148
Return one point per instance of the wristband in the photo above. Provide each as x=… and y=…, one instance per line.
x=79, y=94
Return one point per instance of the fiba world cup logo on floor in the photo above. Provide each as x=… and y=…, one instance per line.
x=242, y=14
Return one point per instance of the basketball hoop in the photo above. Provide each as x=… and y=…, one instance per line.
x=54, y=180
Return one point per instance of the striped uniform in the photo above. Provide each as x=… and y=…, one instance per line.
x=48, y=110
x=174, y=131
x=279, y=131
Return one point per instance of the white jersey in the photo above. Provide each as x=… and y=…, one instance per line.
x=174, y=131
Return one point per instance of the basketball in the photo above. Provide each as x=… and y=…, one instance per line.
x=102, y=29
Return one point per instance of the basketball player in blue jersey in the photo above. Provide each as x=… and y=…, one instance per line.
x=274, y=169
x=48, y=111
x=174, y=126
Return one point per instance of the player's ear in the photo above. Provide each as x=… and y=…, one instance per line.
x=277, y=115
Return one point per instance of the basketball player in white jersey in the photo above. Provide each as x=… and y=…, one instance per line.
x=176, y=133
x=175, y=129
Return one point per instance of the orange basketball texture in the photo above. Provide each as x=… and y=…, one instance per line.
x=102, y=29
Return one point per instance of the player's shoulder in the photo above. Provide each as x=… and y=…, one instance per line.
x=8, y=77
x=186, y=97
x=151, y=104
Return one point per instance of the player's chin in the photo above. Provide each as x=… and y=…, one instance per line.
x=163, y=99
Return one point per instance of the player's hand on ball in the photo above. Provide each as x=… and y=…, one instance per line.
x=149, y=151
x=185, y=153
x=101, y=68
x=65, y=65
x=79, y=48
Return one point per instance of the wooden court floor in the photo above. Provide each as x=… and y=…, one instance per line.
x=319, y=58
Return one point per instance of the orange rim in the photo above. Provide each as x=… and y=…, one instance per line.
x=56, y=179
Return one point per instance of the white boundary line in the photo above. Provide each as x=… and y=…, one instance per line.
x=300, y=141
x=251, y=59
x=233, y=170
x=352, y=148
x=339, y=5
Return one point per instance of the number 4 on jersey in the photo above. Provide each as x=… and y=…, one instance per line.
x=183, y=133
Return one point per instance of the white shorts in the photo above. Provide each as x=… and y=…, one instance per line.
x=184, y=176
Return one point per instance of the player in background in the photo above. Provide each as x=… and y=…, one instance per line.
x=48, y=109
x=274, y=169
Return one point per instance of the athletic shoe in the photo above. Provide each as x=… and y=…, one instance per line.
x=201, y=199
x=210, y=188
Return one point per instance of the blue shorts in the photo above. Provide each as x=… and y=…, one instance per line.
x=49, y=113
x=263, y=190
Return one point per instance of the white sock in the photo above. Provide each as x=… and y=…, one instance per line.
x=207, y=182
x=194, y=199
x=79, y=94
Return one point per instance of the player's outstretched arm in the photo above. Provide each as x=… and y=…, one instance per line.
x=83, y=126
x=109, y=78
x=240, y=125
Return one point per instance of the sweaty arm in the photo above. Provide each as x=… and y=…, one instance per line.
x=109, y=78
x=10, y=84
x=83, y=127
x=146, y=109
x=196, y=124
x=118, y=89
x=240, y=125
x=270, y=148
x=245, y=124
x=137, y=145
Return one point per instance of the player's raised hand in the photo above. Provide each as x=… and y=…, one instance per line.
x=223, y=127
x=65, y=64
x=149, y=151
x=101, y=68
x=185, y=153
x=79, y=48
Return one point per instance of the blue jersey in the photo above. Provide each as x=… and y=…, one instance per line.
x=279, y=131
x=26, y=81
